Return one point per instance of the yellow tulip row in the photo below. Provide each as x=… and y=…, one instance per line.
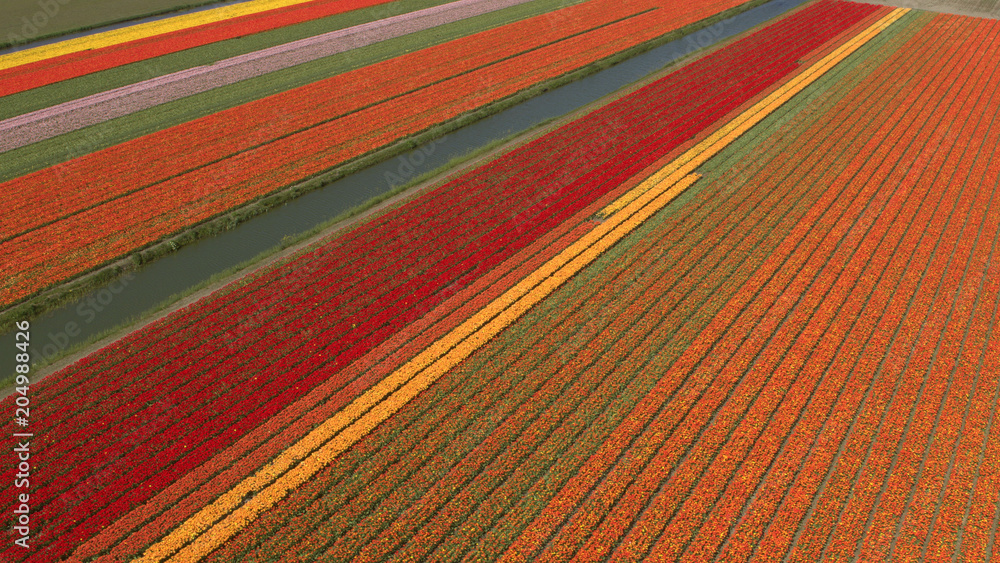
x=217, y=522
x=141, y=31
x=720, y=139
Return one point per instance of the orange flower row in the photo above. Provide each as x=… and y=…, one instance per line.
x=724, y=517
x=914, y=472
x=593, y=510
x=867, y=440
x=873, y=220
x=881, y=89
x=863, y=252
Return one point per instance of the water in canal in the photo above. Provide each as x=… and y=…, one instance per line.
x=127, y=298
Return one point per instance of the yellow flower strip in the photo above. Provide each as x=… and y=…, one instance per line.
x=219, y=521
x=714, y=143
x=141, y=31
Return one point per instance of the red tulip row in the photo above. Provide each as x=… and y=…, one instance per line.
x=196, y=311
x=205, y=429
x=373, y=367
x=360, y=508
x=49, y=71
x=367, y=507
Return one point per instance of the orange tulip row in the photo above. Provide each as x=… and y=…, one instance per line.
x=821, y=304
x=581, y=530
x=767, y=384
x=908, y=355
x=933, y=86
x=874, y=106
x=737, y=536
x=191, y=145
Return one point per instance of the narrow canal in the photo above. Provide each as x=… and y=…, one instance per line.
x=128, y=298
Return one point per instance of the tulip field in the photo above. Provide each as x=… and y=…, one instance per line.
x=208, y=166
x=743, y=310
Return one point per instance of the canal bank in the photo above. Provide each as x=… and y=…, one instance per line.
x=133, y=295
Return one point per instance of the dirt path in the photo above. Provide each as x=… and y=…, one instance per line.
x=978, y=8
